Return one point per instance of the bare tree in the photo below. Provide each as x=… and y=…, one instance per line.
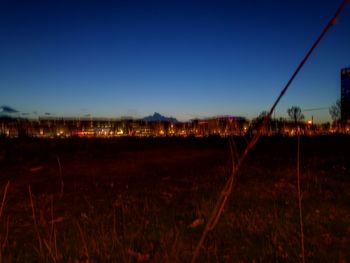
x=263, y=114
x=257, y=122
x=334, y=111
x=259, y=119
x=295, y=114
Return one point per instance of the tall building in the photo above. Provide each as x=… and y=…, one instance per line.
x=345, y=94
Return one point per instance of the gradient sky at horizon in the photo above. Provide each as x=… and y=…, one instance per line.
x=184, y=59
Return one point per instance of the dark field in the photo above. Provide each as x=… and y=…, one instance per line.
x=147, y=200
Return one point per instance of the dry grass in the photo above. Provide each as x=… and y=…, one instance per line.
x=150, y=213
x=226, y=191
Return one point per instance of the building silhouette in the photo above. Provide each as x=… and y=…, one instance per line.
x=345, y=95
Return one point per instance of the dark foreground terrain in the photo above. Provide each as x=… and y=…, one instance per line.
x=147, y=200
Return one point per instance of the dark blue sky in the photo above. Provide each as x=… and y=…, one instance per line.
x=181, y=58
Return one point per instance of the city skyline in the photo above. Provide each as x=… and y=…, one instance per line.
x=183, y=59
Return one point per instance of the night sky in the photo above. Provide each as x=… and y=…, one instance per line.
x=184, y=59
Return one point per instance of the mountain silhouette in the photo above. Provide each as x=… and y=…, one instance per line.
x=7, y=112
x=156, y=117
x=7, y=109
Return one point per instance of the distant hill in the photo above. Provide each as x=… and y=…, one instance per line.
x=158, y=117
x=7, y=110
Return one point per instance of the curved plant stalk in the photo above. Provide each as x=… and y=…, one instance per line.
x=299, y=204
x=220, y=204
x=60, y=171
x=4, y=198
